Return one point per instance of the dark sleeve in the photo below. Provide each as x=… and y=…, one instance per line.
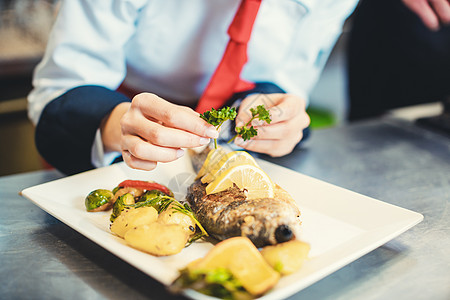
x=66, y=129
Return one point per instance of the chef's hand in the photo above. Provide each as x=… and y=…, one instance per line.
x=278, y=138
x=150, y=130
x=432, y=12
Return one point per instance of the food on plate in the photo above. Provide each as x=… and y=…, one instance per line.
x=219, y=283
x=206, y=160
x=145, y=185
x=141, y=207
x=131, y=218
x=157, y=238
x=232, y=266
x=126, y=200
x=118, y=192
x=242, y=201
x=227, y=161
x=287, y=257
x=171, y=215
x=99, y=200
x=255, y=183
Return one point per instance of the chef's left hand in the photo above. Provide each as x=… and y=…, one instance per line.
x=278, y=138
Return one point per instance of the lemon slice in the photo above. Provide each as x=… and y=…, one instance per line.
x=214, y=156
x=249, y=177
x=232, y=159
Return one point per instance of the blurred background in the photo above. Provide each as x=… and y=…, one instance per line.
x=24, y=29
x=385, y=62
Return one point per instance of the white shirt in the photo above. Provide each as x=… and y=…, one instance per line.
x=172, y=47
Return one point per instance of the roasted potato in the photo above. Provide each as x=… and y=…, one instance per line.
x=239, y=256
x=172, y=216
x=287, y=257
x=130, y=218
x=157, y=238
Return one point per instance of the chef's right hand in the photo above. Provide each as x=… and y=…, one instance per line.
x=152, y=130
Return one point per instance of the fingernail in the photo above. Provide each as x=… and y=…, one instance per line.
x=204, y=141
x=239, y=123
x=212, y=133
x=180, y=153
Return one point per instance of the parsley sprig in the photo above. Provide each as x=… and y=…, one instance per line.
x=218, y=117
x=248, y=131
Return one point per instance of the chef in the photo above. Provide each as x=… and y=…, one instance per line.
x=127, y=79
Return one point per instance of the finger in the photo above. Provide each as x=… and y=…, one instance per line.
x=287, y=109
x=281, y=130
x=136, y=163
x=442, y=9
x=273, y=148
x=160, y=135
x=143, y=150
x=268, y=100
x=425, y=12
x=175, y=116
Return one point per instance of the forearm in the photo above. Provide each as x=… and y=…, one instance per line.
x=67, y=127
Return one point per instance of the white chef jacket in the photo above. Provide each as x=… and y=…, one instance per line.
x=172, y=47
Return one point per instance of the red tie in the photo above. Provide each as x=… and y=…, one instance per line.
x=226, y=79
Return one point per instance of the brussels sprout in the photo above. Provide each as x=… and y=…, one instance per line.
x=122, y=191
x=116, y=189
x=98, y=200
x=151, y=198
x=151, y=194
x=124, y=201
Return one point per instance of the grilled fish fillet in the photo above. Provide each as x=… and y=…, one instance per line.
x=226, y=214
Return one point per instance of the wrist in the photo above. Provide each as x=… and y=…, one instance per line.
x=110, y=129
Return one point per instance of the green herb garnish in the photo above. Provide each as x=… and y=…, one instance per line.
x=248, y=131
x=186, y=209
x=218, y=117
x=219, y=283
x=278, y=266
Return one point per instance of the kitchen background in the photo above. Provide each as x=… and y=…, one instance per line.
x=24, y=28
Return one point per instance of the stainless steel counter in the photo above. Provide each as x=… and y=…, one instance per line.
x=391, y=160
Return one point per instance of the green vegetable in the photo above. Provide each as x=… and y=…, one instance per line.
x=247, y=131
x=98, y=198
x=278, y=266
x=218, y=283
x=149, y=195
x=124, y=201
x=218, y=117
x=116, y=189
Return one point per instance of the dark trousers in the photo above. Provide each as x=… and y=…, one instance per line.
x=394, y=60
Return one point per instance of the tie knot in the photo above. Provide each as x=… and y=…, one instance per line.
x=242, y=24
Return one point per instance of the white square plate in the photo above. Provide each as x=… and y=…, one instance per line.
x=340, y=225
